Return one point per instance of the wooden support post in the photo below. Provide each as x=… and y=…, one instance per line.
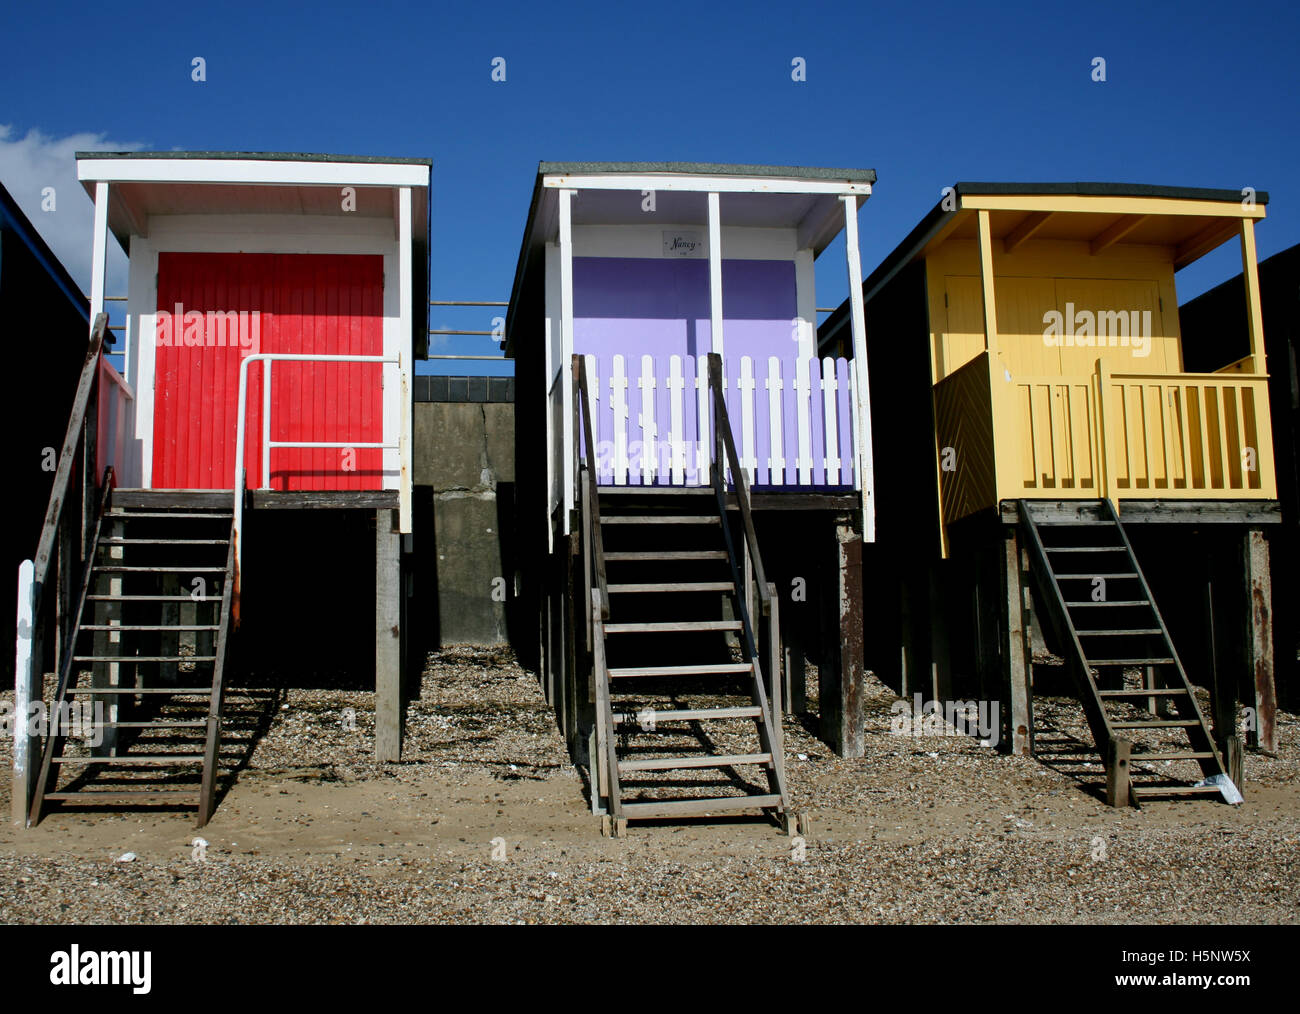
x=986, y=281
x=1117, y=773
x=840, y=683
x=1014, y=649
x=795, y=663
x=1254, y=311
x=388, y=637
x=1259, y=641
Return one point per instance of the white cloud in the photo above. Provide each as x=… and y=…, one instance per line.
x=31, y=163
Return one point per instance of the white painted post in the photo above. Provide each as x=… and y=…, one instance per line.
x=676, y=433
x=775, y=423
x=830, y=406
x=99, y=253
x=748, y=448
x=405, y=352
x=802, y=394
x=862, y=400
x=618, y=401
x=649, y=433
x=566, y=347
x=715, y=274
x=593, y=391
x=266, y=423
x=703, y=443
x=24, y=688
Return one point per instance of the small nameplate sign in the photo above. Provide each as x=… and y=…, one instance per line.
x=684, y=244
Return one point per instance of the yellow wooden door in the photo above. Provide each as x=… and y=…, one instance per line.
x=1118, y=309
x=963, y=336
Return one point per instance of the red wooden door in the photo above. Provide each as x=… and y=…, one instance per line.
x=216, y=309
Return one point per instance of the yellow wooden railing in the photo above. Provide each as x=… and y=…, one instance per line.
x=1119, y=435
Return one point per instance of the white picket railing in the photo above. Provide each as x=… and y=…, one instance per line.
x=794, y=421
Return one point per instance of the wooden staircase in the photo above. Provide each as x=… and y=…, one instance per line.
x=1104, y=616
x=149, y=636
x=682, y=692
x=686, y=694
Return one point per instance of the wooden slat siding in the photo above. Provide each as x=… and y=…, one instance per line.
x=963, y=421
x=329, y=304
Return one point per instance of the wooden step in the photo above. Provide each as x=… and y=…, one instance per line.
x=1113, y=575
x=114, y=541
x=692, y=715
x=671, y=627
x=1156, y=723
x=1140, y=693
x=1115, y=604
x=151, y=598
x=676, y=554
x=1187, y=755
x=179, y=691
x=138, y=759
x=121, y=515
x=672, y=586
x=1085, y=549
x=1130, y=661
x=136, y=627
x=1148, y=791
x=1131, y=632
x=198, y=723
x=697, y=806
x=144, y=658
x=662, y=519
x=683, y=763
x=91, y=794
x=115, y=568
x=726, y=668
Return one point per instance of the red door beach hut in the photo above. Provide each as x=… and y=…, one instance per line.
x=274, y=310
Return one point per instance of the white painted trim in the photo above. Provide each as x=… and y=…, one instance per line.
x=862, y=407
x=715, y=273
x=705, y=184
x=805, y=286
x=99, y=252
x=741, y=242
x=254, y=171
x=566, y=348
x=405, y=352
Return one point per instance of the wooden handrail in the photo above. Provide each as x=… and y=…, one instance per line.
x=67, y=458
x=722, y=434
x=583, y=411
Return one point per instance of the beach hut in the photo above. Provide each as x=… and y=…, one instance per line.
x=275, y=308
x=1055, y=467
x=1215, y=327
x=684, y=460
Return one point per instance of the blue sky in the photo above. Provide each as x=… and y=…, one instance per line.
x=1196, y=94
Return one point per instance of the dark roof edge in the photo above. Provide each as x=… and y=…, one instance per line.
x=1109, y=190
x=256, y=156
x=707, y=169
x=10, y=210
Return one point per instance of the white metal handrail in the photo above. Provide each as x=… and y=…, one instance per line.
x=267, y=358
